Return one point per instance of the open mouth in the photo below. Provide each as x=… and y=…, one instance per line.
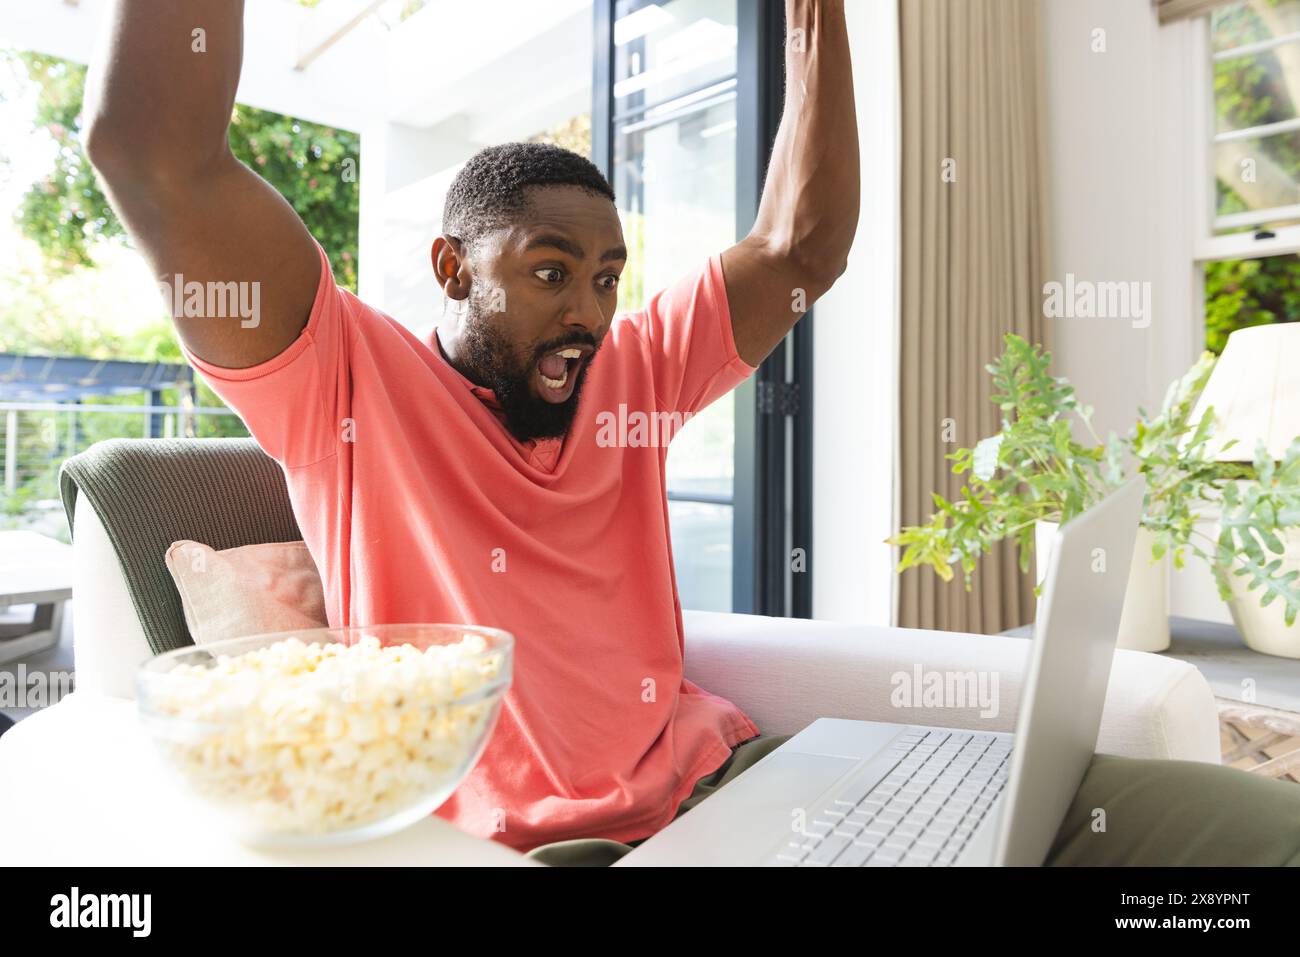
x=558, y=371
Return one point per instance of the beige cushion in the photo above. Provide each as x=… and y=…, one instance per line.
x=251, y=590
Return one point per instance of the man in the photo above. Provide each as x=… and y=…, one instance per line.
x=466, y=476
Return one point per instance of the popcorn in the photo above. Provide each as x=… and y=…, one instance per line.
x=309, y=738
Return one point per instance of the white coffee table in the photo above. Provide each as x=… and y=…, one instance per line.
x=33, y=570
x=80, y=784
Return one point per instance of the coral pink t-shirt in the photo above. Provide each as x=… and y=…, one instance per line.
x=419, y=506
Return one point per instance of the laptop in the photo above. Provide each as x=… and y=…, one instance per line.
x=845, y=793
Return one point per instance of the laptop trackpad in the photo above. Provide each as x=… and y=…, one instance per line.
x=744, y=819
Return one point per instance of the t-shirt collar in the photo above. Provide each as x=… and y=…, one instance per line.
x=484, y=394
x=544, y=452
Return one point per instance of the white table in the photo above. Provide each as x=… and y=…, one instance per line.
x=80, y=784
x=33, y=570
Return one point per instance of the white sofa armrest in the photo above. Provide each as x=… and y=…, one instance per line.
x=108, y=644
x=785, y=673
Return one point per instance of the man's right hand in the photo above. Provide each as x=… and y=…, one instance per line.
x=159, y=97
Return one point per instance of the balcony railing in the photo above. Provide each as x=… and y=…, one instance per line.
x=37, y=436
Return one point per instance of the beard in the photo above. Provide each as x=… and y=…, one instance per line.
x=492, y=361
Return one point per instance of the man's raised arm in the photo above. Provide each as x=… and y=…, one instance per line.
x=159, y=96
x=809, y=211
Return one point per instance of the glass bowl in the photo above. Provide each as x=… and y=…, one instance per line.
x=328, y=735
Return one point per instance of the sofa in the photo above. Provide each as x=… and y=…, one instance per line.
x=84, y=781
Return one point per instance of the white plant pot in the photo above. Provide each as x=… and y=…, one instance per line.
x=1265, y=629
x=1144, y=625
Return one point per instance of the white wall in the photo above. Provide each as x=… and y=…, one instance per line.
x=1119, y=151
x=444, y=100
x=855, y=356
x=404, y=181
x=1119, y=142
x=332, y=91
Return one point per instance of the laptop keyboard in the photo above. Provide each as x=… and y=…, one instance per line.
x=922, y=813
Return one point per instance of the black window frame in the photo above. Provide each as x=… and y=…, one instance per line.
x=772, y=490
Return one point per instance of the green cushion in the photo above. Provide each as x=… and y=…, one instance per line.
x=152, y=492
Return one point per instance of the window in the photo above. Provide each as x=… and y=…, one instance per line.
x=674, y=172
x=1252, y=118
x=686, y=99
x=1250, y=215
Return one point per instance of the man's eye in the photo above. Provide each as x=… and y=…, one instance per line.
x=549, y=275
x=609, y=282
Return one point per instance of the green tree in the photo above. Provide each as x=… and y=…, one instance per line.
x=316, y=168
x=66, y=214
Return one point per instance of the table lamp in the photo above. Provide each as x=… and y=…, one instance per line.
x=1255, y=392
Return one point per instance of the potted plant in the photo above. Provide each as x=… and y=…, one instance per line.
x=1034, y=471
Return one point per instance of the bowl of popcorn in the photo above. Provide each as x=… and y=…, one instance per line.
x=330, y=735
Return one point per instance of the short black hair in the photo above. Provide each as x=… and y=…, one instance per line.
x=492, y=187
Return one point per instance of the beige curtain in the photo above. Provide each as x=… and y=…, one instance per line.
x=973, y=250
x=1171, y=10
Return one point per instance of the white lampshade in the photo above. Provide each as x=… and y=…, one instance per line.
x=1255, y=392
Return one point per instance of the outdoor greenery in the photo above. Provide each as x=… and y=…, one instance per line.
x=1254, y=90
x=1240, y=293
x=1034, y=470
x=45, y=304
x=573, y=134
x=314, y=167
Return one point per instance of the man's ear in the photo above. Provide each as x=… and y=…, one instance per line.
x=450, y=268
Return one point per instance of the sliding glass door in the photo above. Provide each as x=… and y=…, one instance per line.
x=671, y=110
